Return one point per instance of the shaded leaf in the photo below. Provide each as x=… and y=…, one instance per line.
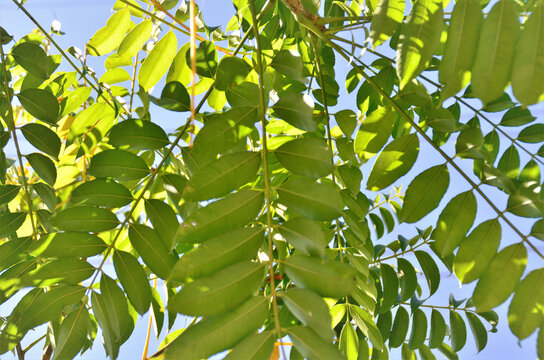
x=32, y=58
x=84, y=218
x=438, y=329
x=386, y=19
x=41, y=104
x=42, y=138
x=478, y=330
x=254, y=347
x=310, y=345
x=400, y=328
x=311, y=310
x=152, y=250
x=138, y=134
x=230, y=71
x=304, y=235
x=310, y=157
x=72, y=335
x=102, y=192
x=10, y=222
x=134, y=280
x=118, y=164
x=297, y=110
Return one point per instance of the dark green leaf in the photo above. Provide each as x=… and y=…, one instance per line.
x=517, y=116
x=134, y=280
x=32, y=58
x=206, y=59
x=390, y=286
x=419, y=330
x=432, y=274
x=84, y=218
x=102, y=192
x=458, y=331
x=438, y=329
x=400, y=328
x=42, y=138
x=118, y=164
x=10, y=222
x=152, y=250
x=41, y=104
x=8, y=193
x=44, y=167
x=73, y=334
x=306, y=156
x=478, y=330
x=254, y=347
x=407, y=279
x=313, y=200
x=230, y=71
x=297, y=110
x=138, y=134
x=532, y=134
x=374, y=132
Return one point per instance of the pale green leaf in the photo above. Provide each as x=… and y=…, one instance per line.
x=311, y=310
x=349, y=342
x=164, y=220
x=108, y=38
x=135, y=39
x=313, y=200
x=310, y=157
x=374, y=132
x=158, y=61
x=386, y=19
x=67, y=245
x=60, y=271
x=525, y=311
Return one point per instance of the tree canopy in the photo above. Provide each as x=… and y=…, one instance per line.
x=329, y=160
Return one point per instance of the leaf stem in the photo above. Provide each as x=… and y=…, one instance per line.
x=263, y=106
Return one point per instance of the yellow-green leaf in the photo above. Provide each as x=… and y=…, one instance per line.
x=135, y=39
x=525, y=313
x=158, y=61
x=386, y=19
x=108, y=38
x=374, y=132
x=72, y=335
x=310, y=157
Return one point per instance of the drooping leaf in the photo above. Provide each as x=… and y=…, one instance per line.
x=538, y=230
x=310, y=157
x=430, y=269
x=407, y=279
x=313, y=200
x=32, y=58
x=311, y=310
x=390, y=287
x=327, y=278
x=218, y=333
x=42, y=138
x=419, y=37
x=101, y=312
x=419, y=330
x=230, y=71
x=374, y=132
x=84, y=218
x=158, y=61
x=297, y=110
x=134, y=280
x=304, y=235
x=424, y=193
x=476, y=251
x=349, y=342
x=478, y=330
x=135, y=39
x=527, y=70
x=72, y=334
x=500, y=278
x=223, y=175
x=385, y=21
x=461, y=46
x=438, y=329
x=366, y=324
x=41, y=104
x=152, y=250
x=458, y=331
x=493, y=61
x=400, y=328
x=229, y=213
x=218, y=253
x=138, y=134
x=108, y=38
x=164, y=220
x=118, y=164
x=311, y=345
x=116, y=305
x=525, y=311
x=454, y=222
x=393, y=162
x=254, y=347
x=44, y=167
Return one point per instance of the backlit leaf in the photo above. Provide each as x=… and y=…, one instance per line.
x=152, y=250
x=158, y=61
x=254, y=347
x=374, y=132
x=313, y=200
x=306, y=156
x=10, y=222
x=41, y=104
x=311, y=310
x=102, y=192
x=297, y=110
x=135, y=39
x=138, y=134
x=386, y=19
x=32, y=58
x=108, y=38
x=311, y=345
x=66, y=245
x=525, y=311
x=84, y=218
x=164, y=220
x=42, y=138
x=72, y=335
x=230, y=71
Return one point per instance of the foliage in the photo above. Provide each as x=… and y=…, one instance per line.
x=270, y=211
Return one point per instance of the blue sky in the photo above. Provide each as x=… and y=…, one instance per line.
x=81, y=18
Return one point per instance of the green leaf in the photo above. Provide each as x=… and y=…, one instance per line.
x=540, y=343
x=174, y=97
x=424, y=193
x=41, y=104
x=492, y=64
x=108, y=38
x=74, y=100
x=254, y=347
x=230, y=71
x=179, y=70
x=448, y=352
x=509, y=162
x=349, y=342
x=538, y=230
x=218, y=253
x=102, y=192
x=84, y=218
x=500, y=278
x=351, y=176
x=67, y=245
x=394, y=161
x=313, y=200
x=206, y=59
x=310, y=157
x=138, y=134
x=11, y=252
x=527, y=70
x=407, y=279
x=366, y=324
x=458, y=331
x=134, y=280
x=8, y=193
x=477, y=250
x=311, y=345
x=432, y=274
x=517, y=116
x=114, y=76
x=347, y=121
x=158, y=61
x=297, y=110
x=223, y=175
x=304, y=235
x=72, y=335
x=219, y=333
x=426, y=353
x=10, y=222
x=390, y=286
x=327, y=278
x=525, y=311
x=42, y=138
x=116, y=305
x=152, y=250
x=461, y=46
x=530, y=173
x=419, y=330
x=478, y=330
x=47, y=194
x=229, y=213
x=163, y=219
x=385, y=21
x=32, y=58
x=532, y=134
x=135, y=39
x=374, y=132
x=218, y=293
x=118, y=164
x=400, y=328
x=289, y=63
x=102, y=314
x=438, y=329
x=311, y=310
x=419, y=37
x=44, y=167
x=61, y=271
x=454, y=222
x=384, y=323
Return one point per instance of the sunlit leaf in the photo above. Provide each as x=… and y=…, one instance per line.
x=108, y=38
x=158, y=61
